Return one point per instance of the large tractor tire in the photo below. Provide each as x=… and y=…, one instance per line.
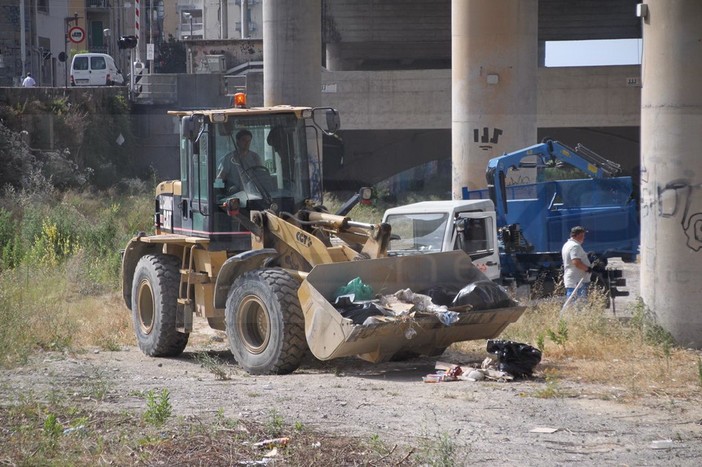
x=154, y=306
x=265, y=324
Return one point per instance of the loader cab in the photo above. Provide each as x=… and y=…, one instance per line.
x=216, y=207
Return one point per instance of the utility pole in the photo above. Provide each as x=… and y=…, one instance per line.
x=223, y=19
x=67, y=21
x=244, y=19
x=23, y=39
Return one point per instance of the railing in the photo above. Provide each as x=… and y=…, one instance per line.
x=97, y=4
x=157, y=89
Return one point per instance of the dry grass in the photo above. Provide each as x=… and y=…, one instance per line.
x=631, y=356
x=38, y=434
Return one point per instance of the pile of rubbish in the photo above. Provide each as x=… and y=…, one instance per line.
x=513, y=360
x=357, y=302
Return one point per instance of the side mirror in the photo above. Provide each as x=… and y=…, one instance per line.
x=192, y=125
x=333, y=121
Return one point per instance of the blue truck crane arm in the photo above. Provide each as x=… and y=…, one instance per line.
x=544, y=153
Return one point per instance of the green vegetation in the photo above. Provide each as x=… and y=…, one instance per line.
x=214, y=365
x=60, y=262
x=158, y=407
x=37, y=432
x=73, y=143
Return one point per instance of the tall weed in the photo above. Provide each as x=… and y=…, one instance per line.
x=60, y=269
x=589, y=344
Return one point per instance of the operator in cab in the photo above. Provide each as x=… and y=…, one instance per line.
x=235, y=163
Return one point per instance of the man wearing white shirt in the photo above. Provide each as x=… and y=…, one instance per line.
x=576, y=265
x=28, y=82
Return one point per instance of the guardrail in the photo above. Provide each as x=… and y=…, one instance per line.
x=156, y=89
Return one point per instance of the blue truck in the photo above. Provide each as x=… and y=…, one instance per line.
x=515, y=228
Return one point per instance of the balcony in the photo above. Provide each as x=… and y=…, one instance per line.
x=97, y=4
x=197, y=29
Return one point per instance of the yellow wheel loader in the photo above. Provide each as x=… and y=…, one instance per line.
x=239, y=241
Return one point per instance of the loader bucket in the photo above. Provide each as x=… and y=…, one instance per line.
x=330, y=335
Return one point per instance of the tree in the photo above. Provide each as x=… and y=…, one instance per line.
x=171, y=56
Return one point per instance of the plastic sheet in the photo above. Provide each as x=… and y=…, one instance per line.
x=357, y=288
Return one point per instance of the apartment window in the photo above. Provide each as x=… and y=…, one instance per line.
x=43, y=6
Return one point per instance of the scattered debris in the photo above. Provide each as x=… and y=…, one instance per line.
x=662, y=444
x=272, y=443
x=543, y=429
x=514, y=358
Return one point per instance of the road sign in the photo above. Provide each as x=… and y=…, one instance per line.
x=149, y=51
x=76, y=34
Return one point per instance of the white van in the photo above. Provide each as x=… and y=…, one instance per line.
x=94, y=69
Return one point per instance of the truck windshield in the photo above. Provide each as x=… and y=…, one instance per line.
x=417, y=232
x=261, y=157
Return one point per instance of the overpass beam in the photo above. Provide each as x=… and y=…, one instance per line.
x=494, y=56
x=671, y=167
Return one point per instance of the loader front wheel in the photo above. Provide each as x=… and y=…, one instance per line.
x=154, y=306
x=265, y=325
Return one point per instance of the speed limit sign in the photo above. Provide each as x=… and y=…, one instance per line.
x=76, y=34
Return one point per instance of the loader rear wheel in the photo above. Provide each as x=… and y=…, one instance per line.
x=154, y=306
x=265, y=325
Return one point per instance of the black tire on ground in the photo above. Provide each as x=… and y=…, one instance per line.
x=154, y=306
x=265, y=324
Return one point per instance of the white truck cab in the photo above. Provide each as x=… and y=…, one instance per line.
x=433, y=226
x=94, y=69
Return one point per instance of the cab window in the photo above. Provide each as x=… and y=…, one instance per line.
x=80, y=63
x=98, y=63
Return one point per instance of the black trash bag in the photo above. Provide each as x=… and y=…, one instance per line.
x=483, y=295
x=359, y=312
x=517, y=359
x=441, y=295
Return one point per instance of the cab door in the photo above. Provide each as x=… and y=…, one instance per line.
x=80, y=70
x=98, y=70
x=183, y=222
x=476, y=234
x=200, y=186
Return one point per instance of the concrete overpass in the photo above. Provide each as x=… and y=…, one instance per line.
x=388, y=71
x=395, y=120
x=496, y=86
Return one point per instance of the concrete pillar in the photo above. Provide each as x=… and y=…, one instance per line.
x=671, y=167
x=292, y=52
x=494, y=57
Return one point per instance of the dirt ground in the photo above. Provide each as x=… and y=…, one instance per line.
x=495, y=423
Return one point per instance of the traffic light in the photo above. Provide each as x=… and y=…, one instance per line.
x=127, y=42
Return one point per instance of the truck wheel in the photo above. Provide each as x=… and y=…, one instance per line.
x=265, y=325
x=154, y=306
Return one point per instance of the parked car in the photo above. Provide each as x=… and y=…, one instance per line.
x=95, y=69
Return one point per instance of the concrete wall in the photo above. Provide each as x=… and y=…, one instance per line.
x=235, y=51
x=588, y=96
x=394, y=120
x=383, y=100
x=421, y=99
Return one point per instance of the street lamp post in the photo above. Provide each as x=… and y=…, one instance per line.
x=189, y=16
x=108, y=34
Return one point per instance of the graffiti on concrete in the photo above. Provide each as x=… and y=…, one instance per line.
x=486, y=141
x=679, y=199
